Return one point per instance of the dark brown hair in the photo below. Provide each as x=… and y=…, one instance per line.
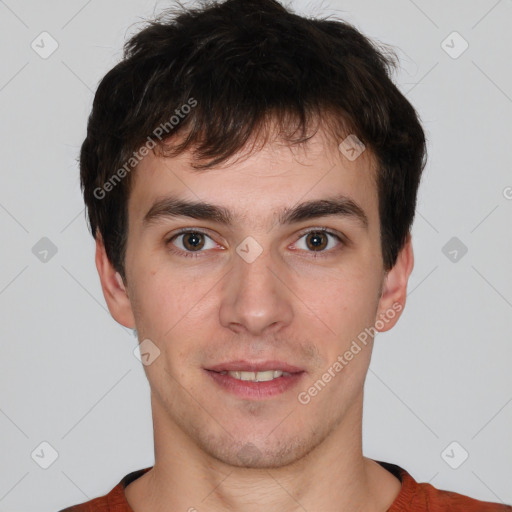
x=241, y=66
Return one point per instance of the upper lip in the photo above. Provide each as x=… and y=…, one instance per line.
x=253, y=366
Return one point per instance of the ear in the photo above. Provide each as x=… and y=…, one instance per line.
x=114, y=289
x=394, y=289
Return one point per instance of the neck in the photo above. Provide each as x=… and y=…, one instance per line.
x=333, y=475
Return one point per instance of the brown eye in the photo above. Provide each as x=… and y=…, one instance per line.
x=320, y=241
x=316, y=240
x=190, y=242
x=193, y=241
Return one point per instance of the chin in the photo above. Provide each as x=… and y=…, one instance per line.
x=263, y=454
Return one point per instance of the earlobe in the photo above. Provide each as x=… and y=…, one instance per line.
x=394, y=289
x=114, y=289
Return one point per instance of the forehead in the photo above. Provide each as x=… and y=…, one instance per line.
x=257, y=185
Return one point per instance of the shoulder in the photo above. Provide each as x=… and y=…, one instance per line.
x=430, y=499
x=424, y=497
x=115, y=500
x=95, y=505
x=100, y=504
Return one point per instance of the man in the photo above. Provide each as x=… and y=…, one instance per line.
x=250, y=178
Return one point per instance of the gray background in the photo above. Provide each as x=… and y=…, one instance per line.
x=68, y=373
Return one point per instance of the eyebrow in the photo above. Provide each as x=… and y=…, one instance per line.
x=339, y=206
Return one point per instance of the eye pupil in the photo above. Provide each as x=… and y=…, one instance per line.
x=316, y=240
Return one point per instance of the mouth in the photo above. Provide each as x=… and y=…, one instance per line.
x=263, y=376
x=255, y=381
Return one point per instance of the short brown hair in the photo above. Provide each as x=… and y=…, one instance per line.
x=243, y=63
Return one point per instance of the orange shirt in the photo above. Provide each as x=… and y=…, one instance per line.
x=413, y=497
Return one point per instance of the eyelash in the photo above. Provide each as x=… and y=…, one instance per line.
x=197, y=254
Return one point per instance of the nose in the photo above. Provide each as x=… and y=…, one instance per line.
x=256, y=297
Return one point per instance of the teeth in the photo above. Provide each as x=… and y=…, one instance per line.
x=257, y=376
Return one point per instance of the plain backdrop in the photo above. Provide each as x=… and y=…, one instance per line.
x=439, y=386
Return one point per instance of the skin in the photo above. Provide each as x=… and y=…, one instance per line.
x=286, y=305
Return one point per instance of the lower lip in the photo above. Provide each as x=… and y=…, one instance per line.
x=256, y=390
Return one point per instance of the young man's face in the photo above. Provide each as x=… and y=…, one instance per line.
x=256, y=292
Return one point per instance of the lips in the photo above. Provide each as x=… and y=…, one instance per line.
x=252, y=366
x=255, y=381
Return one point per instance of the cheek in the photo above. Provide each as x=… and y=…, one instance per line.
x=347, y=307
x=172, y=306
x=345, y=300
x=159, y=302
